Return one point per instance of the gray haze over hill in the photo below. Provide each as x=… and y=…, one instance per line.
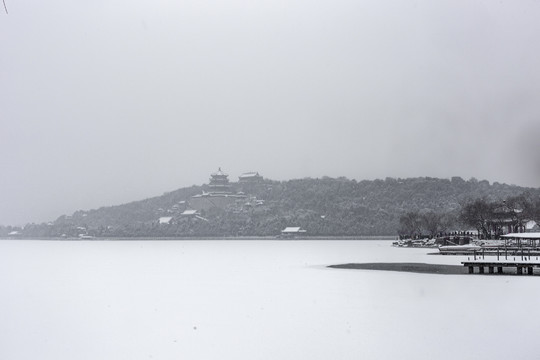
x=107, y=102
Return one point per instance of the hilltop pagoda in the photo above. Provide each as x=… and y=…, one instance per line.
x=219, y=195
x=219, y=182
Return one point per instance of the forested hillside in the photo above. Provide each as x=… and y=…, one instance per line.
x=325, y=206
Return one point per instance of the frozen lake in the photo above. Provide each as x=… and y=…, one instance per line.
x=253, y=300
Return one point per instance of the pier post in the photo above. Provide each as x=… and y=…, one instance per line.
x=499, y=269
x=471, y=269
x=490, y=269
x=530, y=270
x=480, y=269
x=519, y=270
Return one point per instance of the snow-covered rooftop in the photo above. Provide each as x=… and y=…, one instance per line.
x=293, y=230
x=529, y=235
x=165, y=219
x=530, y=224
x=249, y=174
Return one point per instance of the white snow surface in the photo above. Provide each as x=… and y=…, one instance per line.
x=253, y=300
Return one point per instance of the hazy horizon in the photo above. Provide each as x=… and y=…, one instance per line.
x=104, y=103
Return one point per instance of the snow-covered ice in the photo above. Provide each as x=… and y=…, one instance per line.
x=253, y=300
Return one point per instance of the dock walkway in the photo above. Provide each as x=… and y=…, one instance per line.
x=500, y=265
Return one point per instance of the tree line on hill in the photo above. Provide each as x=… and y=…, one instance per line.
x=323, y=207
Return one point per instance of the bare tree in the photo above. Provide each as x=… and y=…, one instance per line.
x=478, y=214
x=531, y=207
x=410, y=224
x=432, y=223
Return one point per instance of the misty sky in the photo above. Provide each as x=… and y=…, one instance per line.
x=106, y=102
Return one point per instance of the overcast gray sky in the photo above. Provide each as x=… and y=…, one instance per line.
x=105, y=102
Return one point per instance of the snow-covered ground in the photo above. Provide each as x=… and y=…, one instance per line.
x=253, y=300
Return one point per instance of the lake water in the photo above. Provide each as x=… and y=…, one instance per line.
x=253, y=300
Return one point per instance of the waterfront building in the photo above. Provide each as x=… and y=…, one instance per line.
x=292, y=231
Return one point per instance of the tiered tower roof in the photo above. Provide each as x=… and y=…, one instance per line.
x=219, y=181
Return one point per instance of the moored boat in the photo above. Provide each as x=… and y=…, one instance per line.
x=459, y=249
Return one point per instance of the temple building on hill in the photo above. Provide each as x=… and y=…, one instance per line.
x=220, y=194
x=219, y=182
x=250, y=177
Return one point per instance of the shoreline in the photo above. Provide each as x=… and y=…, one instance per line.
x=224, y=238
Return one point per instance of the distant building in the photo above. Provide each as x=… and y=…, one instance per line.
x=507, y=220
x=532, y=226
x=292, y=232
x=219, y=194
x=250, y=177
x=206, y=201
x=252, y=201
x=190, y=213
x=165, y=220
x=219, y=182
x=86, y=237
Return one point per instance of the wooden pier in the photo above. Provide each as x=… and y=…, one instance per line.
x=491, y=251
x=520, y=266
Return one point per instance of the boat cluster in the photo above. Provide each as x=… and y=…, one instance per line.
x=419, y=243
